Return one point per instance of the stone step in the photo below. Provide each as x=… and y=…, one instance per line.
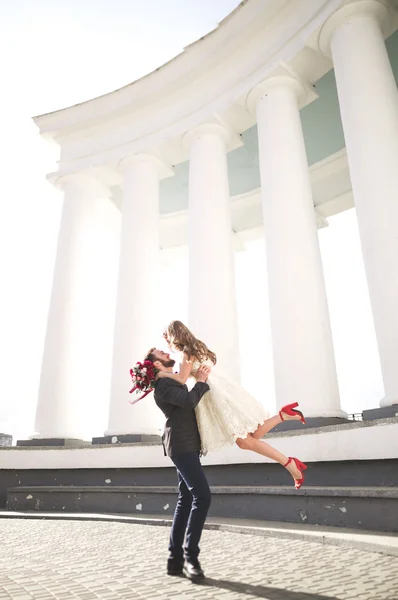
x=344, y=492
x=332, y=473
x=371, y=508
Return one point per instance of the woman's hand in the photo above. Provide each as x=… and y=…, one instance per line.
x=203, y=373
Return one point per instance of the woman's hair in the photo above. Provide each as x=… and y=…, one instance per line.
x=179, y=336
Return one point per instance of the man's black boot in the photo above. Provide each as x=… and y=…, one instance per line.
x=193, y=570
x=174, y=566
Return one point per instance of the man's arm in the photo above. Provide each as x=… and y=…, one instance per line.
x=168, y=390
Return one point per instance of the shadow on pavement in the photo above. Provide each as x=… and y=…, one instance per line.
x=261, y=591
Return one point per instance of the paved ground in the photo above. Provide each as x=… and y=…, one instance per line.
x=67, y=560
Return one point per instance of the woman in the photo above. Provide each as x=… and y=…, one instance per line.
x=228, y=413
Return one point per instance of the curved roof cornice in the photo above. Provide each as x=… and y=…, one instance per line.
x=209, y=79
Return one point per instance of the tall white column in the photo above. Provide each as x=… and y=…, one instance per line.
x=67, y=370
x=369, y=109
x=212, y=293
x=136, y=326
x=304, y=362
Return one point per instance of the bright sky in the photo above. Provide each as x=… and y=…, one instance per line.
x=57, y=53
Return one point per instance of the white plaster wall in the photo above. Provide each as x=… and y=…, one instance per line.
x=362, y=443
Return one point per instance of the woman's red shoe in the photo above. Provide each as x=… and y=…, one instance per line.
x=289, y=410
x=301, y=467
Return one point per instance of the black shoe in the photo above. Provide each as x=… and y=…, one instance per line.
x=193, y=570
x=174, y=567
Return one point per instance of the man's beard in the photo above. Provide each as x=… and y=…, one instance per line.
x=167, y=363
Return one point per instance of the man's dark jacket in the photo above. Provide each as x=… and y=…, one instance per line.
x=181, y=432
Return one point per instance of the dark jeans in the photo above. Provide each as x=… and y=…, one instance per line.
x=192, y=506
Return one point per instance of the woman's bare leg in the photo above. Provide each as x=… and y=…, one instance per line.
x=271, y=423
x=267, y=426
x=265, y=449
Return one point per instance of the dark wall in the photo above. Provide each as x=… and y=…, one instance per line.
x=347, y=473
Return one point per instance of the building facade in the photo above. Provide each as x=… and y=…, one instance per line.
x=238, y=105
x=283, y=116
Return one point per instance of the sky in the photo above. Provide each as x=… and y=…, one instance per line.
x=55, y=54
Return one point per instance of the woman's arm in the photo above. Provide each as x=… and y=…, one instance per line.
x=184, y=373
x=179, y=396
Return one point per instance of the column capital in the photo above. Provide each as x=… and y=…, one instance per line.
x=231, y=138
x=282, y=78
x=86, y=182
x=128, y=163
x=344, y=15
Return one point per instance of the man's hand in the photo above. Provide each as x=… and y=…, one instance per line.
x=203, y=373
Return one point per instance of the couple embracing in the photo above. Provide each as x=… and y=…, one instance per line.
x=216, y=412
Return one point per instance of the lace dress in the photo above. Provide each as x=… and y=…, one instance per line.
x=226, y=412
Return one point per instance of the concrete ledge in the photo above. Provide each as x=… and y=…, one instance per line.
x=52, y=442
x=387, y=417
x=343, y=425
x=312, y=423
x=372, y=440
x=385, y=543
x=327, y=491
x=385, y=412
x=129, y=438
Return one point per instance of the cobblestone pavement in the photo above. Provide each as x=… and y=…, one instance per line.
x=89, y=560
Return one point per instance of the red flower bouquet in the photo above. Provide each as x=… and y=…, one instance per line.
x=143, y=376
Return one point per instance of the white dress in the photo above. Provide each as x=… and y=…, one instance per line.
x=226, y=412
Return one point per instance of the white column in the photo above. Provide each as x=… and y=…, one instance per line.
x=369, y=110
x=304, y=362
x=138, y=300
x=212, y=293
x=72, y=332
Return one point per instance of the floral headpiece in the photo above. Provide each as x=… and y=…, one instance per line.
x=143, y=376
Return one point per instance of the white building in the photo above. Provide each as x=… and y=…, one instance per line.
x=284, y=115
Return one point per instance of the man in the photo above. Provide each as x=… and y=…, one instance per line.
x=181, y=442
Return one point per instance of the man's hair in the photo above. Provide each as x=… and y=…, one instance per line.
x=150, y=355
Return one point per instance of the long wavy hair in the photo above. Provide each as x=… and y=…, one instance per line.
x=177, y=335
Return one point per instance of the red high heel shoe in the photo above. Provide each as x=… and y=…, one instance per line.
x=289, y=409
x=301, y=467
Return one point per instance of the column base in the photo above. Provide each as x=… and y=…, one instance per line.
x=5, y=439
x=385, y=412
x=311, y=422
x=389, y=401
x=63, y=442
x=127, y=438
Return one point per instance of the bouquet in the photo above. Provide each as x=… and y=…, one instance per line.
x=143, y=376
